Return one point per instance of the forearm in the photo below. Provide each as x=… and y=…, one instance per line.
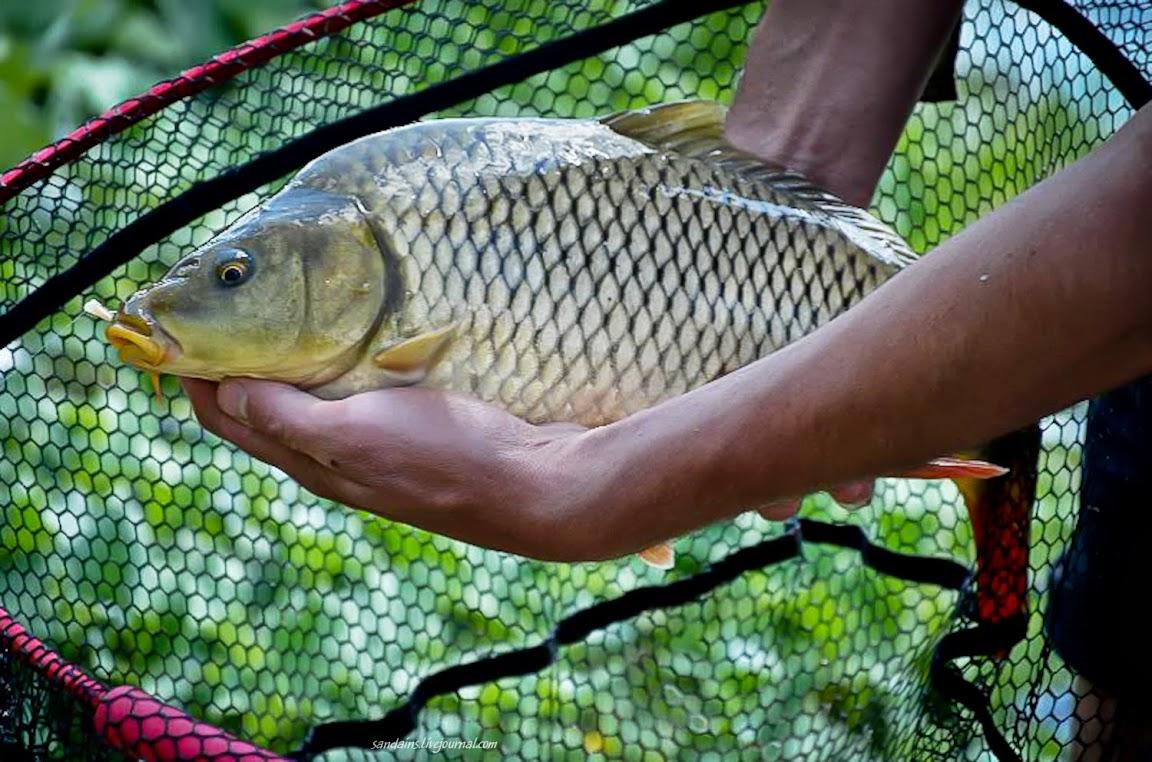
x=828, y=85
x=1040, y=304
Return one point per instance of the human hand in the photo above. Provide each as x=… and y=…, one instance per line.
x=850, y=495
x=837, y=124
x=446, y=463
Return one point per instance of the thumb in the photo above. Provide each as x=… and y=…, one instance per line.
x=277, y=410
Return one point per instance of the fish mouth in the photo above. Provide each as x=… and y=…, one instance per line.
x=136, y=341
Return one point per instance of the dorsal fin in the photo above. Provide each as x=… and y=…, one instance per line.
x=695, y=129
x=673, y=126
x=858, y=225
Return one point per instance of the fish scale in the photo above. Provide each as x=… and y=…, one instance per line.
x=610, y=334
x=566, y=270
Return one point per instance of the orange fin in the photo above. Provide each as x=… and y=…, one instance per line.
x=156, y=387
x=954, y=468
x=971, y=490
x=1001, y=515
x=418, y=354
x=659, y=556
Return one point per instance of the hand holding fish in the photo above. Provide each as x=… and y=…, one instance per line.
x=448, y=463
x=562, y=271
x=445, y=462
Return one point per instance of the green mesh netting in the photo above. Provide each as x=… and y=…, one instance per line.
x=151, y=554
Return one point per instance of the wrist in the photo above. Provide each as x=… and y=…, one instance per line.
x=849, y=174
x=587, y=500
x=652, y=477
x=825, y=92
x=555, y=485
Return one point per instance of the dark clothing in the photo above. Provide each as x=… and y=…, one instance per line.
x=1100, y=587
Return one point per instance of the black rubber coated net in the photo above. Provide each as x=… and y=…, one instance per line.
x=147, y=553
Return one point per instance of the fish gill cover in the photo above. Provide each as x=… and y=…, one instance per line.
x=144, y=552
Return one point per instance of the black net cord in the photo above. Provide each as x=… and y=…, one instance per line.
x=941, y=572
x=985, y=639
x=208, y=195
x=213, y=73
x=1108, y=58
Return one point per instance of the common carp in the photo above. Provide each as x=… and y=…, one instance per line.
x=567, y=270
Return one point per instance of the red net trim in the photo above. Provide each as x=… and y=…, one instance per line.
x=127, y=718
x=221, y=68
x=28, y=649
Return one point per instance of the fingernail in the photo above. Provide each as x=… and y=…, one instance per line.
x=233, y=400
x=781, y=509
x=856, y=496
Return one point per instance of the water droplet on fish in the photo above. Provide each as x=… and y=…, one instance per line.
x=984, y=278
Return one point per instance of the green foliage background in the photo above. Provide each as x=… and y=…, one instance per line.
x=64, y=61
x=182, y=545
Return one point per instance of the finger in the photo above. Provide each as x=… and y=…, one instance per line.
x=954, y=468
x=315, y=477
x=304, y=469
x=203, y=396
x=780, y=509
x=853, y=494
x=282, y=414
x=373, y=449
x=199, y=391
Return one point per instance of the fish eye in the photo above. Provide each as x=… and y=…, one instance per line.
x=234, y=268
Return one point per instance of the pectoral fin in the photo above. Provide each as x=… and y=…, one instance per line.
x=416, y=356
x=659, y=556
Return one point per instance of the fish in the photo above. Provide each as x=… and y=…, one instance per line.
x=1000, y=511
x=575, y=270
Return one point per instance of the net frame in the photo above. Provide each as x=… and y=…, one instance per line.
x=986, y=638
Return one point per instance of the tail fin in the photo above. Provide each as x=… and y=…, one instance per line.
x=1001, y=511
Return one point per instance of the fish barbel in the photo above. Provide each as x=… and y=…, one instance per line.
x=566, y=270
